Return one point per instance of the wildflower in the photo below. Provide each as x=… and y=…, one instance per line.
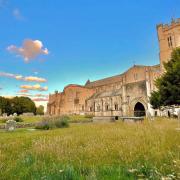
x=132, y=170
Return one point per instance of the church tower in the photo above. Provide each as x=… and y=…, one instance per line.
x=169, y=38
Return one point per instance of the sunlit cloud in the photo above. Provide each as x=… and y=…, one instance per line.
x=33, y=78
x=35, y=97
x=34, y=87
x=22, y=78
x=23, y=91
x=29, y=50
x=27, y=94
x=40, y=99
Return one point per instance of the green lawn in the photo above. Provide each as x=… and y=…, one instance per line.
x=93, y=151
x=31, y=119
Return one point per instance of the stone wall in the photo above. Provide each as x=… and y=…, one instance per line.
x=113, y=96
x=70, y=101
x=169, y=38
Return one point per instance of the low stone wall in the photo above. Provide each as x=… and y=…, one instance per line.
x=20, y=125
x=114, y=118
x=132, y=119
x=103, y=119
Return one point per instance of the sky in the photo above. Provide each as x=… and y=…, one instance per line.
x=46, y=45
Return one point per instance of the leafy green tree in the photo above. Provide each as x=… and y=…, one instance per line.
x=3, y=104
x=17, y=105
x=168, y=85
x=22, y=105
x=40, y=110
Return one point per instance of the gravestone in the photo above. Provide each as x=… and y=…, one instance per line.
x=149, y=116
x=10, y=125
x=178, y=114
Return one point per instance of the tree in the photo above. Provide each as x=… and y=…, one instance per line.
x=40, y=110
x=22, y=105
x=17, y=105
x=4, y=105
x=168, y=85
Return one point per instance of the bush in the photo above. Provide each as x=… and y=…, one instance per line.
x=88, y=116
x=62, y=121
x=50, y=123
x=3, y=120
x=46, y=125
x=18, y=119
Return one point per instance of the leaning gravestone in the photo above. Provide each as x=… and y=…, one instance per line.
x=149, y=116
x=178, y=114
x=10, y=125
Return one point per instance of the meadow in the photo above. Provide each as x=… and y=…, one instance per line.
x=148, y=150
x=36, y=119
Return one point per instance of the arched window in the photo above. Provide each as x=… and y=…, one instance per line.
x=106, y=107
x=116, y=107
x=91, y=109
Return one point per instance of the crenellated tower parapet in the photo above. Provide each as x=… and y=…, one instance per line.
x=169, y=39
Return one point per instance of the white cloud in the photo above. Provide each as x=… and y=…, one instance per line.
x=34, y=87
x=29, y=50
x=26, y=78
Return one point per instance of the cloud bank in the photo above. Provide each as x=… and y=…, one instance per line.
x=22, y=78
x=37, y=87
x=35, y=97
x=29, y=50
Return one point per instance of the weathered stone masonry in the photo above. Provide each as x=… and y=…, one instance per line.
x=126, y=94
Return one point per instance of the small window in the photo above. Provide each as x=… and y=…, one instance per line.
x=116, y=107
x=107, y=107
x=170, y=41
x=76, y=101
x=82, y=107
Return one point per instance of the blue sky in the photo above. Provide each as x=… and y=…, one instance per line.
x=85, y=39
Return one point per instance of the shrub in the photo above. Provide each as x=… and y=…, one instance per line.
x=18, y=119
x=3, y=120
x=62, y=121
x=53, y=122
x=46, y=125
x=88, y=116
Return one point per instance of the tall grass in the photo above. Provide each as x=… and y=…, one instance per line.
x=93, y=151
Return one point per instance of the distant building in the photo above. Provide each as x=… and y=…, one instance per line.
x=126, y=94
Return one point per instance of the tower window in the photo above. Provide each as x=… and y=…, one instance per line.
x=170, y=41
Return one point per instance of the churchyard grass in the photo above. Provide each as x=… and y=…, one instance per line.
x=93, y=151
x=31, y=119
x=35, y=119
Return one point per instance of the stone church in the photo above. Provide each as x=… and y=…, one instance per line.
x=126, y=94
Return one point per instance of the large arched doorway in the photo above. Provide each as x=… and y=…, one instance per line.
x=139, y=110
